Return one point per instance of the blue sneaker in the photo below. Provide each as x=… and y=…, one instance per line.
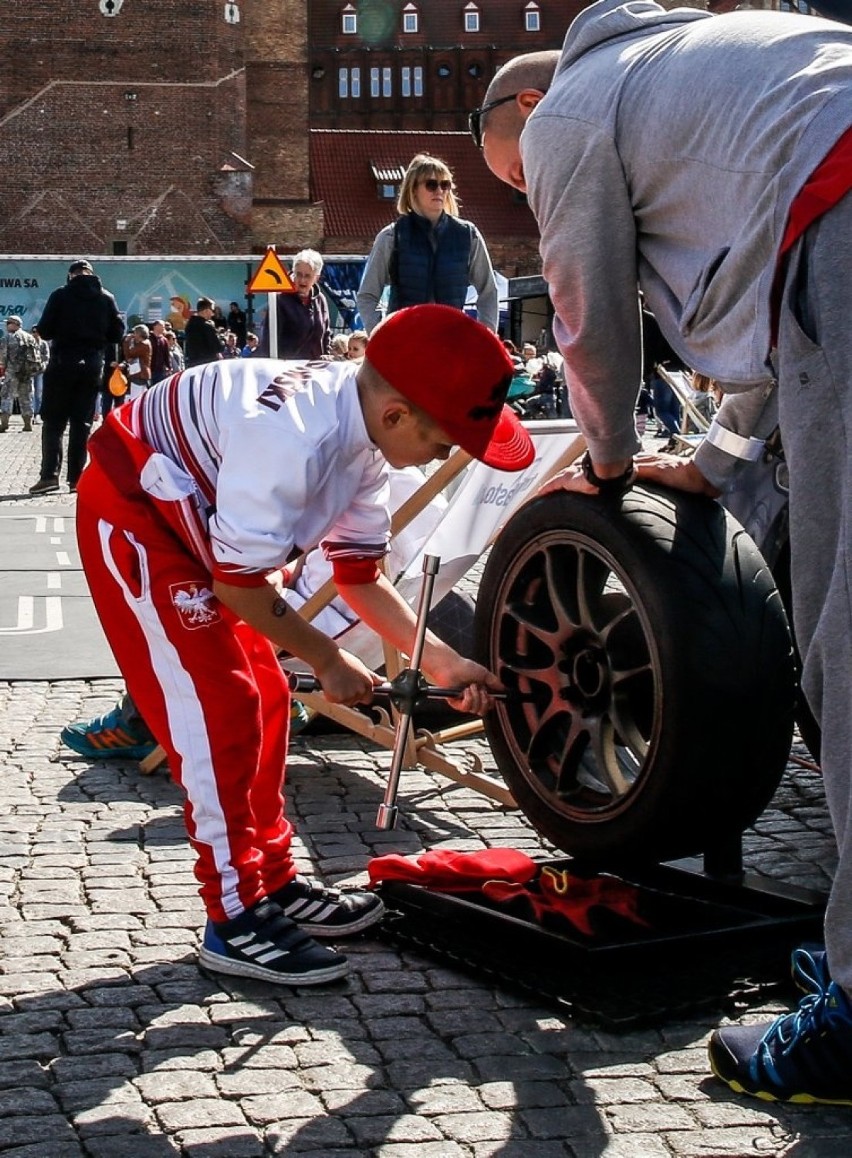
x=262, y=943
x=804, y=1056
x=330, y=913
x=809, y=967
x=107, y=738
x=299, y=718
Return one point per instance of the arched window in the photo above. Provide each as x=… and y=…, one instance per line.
x=471, y=18
x=532, y=17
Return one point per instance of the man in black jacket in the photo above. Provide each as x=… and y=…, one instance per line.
x=201, y=339
x=80, y=319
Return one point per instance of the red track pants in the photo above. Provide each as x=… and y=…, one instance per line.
x=208, y=686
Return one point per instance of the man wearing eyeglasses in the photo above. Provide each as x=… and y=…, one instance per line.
x=708, y=161
x=429, y=254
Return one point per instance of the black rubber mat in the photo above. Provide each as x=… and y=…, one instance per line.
x=703, y=946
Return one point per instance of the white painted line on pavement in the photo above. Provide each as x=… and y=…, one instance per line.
x=26, y=616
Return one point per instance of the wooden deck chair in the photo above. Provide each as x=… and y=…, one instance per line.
x=481, y=504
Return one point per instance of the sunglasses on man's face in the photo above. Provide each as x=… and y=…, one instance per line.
x=474, y=118
x=433, y=185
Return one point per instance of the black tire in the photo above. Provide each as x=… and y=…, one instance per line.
x=654, y=645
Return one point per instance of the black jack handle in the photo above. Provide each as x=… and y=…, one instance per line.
x=406, y=686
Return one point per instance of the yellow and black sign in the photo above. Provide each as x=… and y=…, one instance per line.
x=271, y=277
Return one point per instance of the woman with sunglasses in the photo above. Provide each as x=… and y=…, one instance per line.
x=429, y=254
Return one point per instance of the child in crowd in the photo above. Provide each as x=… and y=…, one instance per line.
x=357, y=345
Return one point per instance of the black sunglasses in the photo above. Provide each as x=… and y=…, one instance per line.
x=474, y=119
x=433, y=185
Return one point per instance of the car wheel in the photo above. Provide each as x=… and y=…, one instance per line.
x=650, y=669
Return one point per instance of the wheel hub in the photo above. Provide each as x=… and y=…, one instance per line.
x=586, y=668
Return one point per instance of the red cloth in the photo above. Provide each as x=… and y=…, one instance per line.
x=505, y=875
x=449, y=871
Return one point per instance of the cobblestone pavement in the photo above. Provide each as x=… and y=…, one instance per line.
x=112, y=1043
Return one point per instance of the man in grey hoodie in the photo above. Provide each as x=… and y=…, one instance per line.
x=708, y=161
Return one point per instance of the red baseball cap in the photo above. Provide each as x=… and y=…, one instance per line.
x=458, y=372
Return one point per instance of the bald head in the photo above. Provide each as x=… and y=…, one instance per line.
x=531, y=70
x=515, y=91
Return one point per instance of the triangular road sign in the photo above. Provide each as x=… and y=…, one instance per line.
x=271, y=277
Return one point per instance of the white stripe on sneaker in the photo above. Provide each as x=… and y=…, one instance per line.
x=304, y=910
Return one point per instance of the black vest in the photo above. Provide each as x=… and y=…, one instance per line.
x=430, y=263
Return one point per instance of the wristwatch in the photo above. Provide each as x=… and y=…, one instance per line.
x=607, y=487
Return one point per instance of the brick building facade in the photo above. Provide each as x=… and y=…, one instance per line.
x=185, y=126
x=123, y=127
x=156, y=126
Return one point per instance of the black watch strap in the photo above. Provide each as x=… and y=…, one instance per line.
x=607, y=487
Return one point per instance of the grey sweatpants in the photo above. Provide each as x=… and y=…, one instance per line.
x=814, y=363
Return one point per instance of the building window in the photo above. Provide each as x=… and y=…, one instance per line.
x=444, y=71
x=388, y=179
x=374, y=82
x=387, y=85
x=474, y=70
x=471, y=18
x=349, y=20
x=532, y=18
x=411, y=81
x=409, y=18
x=349, y=83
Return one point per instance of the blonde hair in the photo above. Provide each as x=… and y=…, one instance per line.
x=421, y=168
x=339, y=345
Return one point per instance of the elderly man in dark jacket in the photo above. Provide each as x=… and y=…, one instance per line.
x=80, y=320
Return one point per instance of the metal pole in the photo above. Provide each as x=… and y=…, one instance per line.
x=388, y=811
x=272, y=324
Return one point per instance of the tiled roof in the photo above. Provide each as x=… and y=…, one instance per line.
x=346, y=166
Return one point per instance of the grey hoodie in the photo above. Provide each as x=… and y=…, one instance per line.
x=667, y=153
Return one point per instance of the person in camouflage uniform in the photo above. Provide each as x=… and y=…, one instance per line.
x=18, y=369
